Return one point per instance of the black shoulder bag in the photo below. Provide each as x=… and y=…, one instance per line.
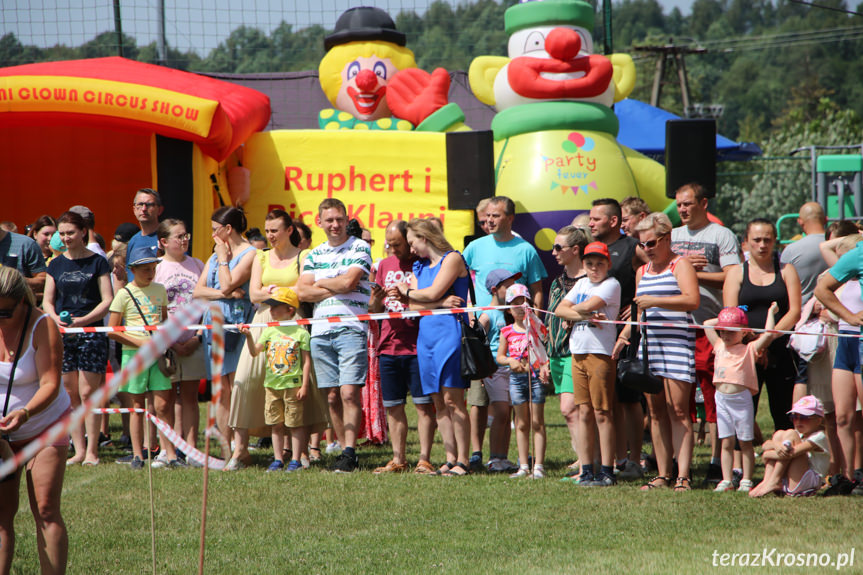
x=477, y=361
x=167, y=362
x=634, y=373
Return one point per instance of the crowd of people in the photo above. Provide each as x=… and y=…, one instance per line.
x=305, y=388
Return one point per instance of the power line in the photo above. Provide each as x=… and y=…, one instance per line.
x=751, y=43
x=823, y=7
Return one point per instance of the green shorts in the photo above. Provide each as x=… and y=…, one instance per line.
x=150, y=379
x=561, y=374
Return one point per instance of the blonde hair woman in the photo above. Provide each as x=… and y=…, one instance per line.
x=440, y=279
x=37, y=400
x=667, y=290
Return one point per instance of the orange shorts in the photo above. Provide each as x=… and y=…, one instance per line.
x=593, y=377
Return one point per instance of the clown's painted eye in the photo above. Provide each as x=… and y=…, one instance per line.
x=535, y=42
x=353, y=69
x=381, y=70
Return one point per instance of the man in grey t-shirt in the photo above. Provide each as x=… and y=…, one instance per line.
x=24, y=254
x=804, y=254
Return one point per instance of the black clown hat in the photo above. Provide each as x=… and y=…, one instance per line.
x=364, y=23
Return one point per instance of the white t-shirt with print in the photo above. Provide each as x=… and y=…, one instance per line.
x=589, y=337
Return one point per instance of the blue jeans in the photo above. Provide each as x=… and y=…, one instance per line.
x=518, y=383
x=400, y=374
x=340, y=358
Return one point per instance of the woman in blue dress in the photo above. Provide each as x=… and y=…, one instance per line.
x=440, y=279
x=226, y=280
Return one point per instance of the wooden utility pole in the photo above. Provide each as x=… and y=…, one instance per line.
x=670, y=53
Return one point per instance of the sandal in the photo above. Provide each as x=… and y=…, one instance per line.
x=314, y=456
x=683, y=484
x=423, y=467
x=654, y=483
x=445, y=468
x=452, y=473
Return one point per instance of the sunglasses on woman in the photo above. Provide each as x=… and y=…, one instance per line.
x=650, y=243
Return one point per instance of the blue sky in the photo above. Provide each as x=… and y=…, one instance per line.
x=196, y=24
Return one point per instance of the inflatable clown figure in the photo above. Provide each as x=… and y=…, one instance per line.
x=555, y=132
x=371, y=79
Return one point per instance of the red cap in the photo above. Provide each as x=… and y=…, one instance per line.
x=596, y=249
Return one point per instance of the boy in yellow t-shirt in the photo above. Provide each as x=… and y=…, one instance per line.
x=143, y=302
x=287, y=380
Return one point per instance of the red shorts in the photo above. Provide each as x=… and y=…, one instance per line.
x=704, y=377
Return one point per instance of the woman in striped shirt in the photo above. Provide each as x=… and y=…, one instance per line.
x=667, y=290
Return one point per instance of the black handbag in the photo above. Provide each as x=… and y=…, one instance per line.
x=477, y=361
x=633, y=372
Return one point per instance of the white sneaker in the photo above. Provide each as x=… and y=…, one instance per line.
x=334, y=448
x=522, y=472
x=745, y=485
x=161, y=460
x=538, y=473
x=724, y=485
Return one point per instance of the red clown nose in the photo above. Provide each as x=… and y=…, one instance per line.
x=367, y=81
x=563, y=44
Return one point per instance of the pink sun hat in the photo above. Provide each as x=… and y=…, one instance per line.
x=807, y=406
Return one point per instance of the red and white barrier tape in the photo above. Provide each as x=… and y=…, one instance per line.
x=682, y=325
x=301, y=321
x=172, y=436
x=217, y=360
x=147, y=354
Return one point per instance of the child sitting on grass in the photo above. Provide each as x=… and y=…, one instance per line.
x=736, y=382
x=796, y=460
x=513, y=351
x=286, y=383
x=594, y=372
x=143, y=302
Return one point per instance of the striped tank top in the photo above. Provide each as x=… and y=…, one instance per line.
x=670, y=350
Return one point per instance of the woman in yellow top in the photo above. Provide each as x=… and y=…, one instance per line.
x=271, y=269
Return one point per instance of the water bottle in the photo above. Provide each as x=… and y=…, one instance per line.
x=65, y=317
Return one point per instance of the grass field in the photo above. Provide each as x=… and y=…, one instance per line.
x=316, y=522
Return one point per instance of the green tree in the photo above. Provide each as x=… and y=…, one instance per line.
x=174, y=59
x=246, y=49
x=783, y=185
x=107, y=44
x=634, y=20
x=13, y=52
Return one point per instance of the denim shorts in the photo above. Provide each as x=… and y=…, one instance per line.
x=518, y=383
x=848, y=354
x=85, y=352
x=400, y=374
x=340, y=358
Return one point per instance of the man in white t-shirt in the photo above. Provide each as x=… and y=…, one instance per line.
x=594, y=372
x=711, y=249
x=335, y=278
